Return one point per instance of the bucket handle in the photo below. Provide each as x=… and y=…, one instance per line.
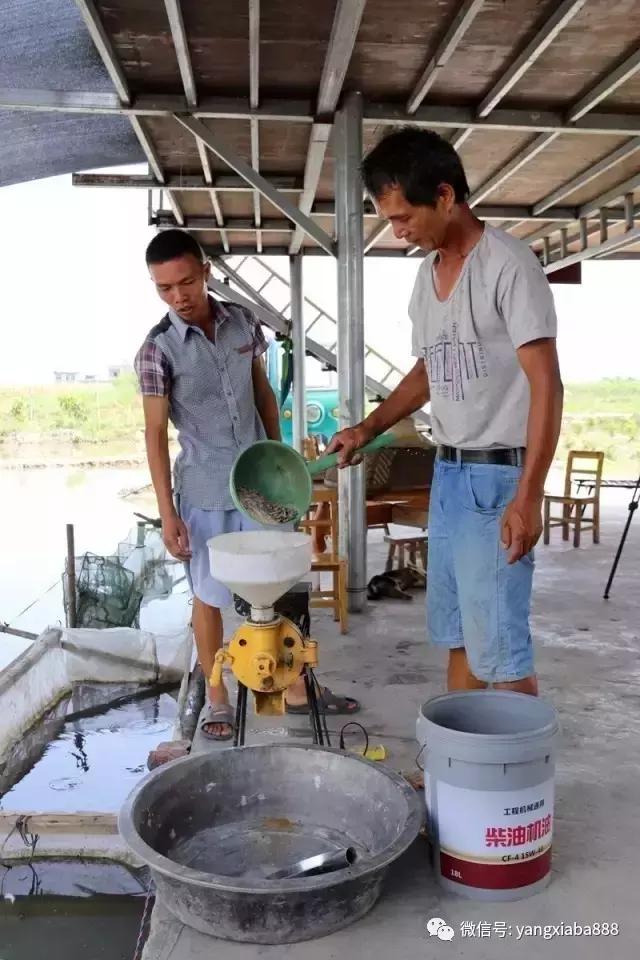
x=418, y=764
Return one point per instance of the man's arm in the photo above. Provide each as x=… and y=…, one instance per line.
x=265, y=400
x=410, y=395
x=522, y=520
x=156, y=419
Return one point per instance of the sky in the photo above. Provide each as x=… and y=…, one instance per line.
x=76, y=294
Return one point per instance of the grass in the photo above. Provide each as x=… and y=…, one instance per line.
x=598, y=416
x=81, y=413
x=604, y=416
x=617, y=397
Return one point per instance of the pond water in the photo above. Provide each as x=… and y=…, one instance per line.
x=90, y=763
x=37, y=505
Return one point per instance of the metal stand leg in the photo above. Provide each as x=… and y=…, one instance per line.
x=241, y=716
x=314, y=712
x=633, y=506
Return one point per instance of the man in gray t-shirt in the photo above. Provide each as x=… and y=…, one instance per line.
x=484, y=329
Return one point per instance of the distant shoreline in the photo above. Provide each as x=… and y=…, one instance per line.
x=80, y=464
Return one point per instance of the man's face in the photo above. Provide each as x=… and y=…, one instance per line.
x=422, y=225
x=182, y=284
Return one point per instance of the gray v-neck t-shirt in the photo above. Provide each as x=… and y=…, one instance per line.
x=501, y=301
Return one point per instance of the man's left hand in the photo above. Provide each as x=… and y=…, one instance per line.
x=521, y=527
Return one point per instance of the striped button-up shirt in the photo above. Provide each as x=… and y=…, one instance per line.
x=211, y=398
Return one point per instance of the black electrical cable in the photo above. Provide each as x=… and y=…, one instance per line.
x=323, y=714
x=354, y=723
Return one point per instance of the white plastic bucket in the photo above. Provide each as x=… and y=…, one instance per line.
x=489, y=789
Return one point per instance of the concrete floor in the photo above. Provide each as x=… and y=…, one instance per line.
x=589, y=666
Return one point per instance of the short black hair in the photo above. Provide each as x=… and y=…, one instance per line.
x=171, y=244
x=418, y=161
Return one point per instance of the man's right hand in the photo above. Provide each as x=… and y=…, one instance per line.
x=176, y=537
x=347, y=441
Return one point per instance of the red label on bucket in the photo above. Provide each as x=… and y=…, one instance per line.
x=498, y=840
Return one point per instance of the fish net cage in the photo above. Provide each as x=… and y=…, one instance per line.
x=110, y=589
x=106, y=594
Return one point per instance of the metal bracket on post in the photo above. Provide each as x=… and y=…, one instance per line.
x=350, y=347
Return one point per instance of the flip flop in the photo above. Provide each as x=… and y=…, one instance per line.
x=221, y=713
x=328, y=703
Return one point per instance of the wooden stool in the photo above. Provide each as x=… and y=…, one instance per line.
x=329, y=562
x=413, y=545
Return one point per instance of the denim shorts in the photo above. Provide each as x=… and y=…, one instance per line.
x=475, y=599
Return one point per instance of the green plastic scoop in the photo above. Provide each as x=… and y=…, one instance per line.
x=271, y=482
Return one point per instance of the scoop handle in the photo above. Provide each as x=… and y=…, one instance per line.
x=323, y=463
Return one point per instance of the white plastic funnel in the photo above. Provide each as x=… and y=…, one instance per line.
x=260, y=565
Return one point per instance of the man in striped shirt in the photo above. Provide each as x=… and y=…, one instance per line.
x=201, y=368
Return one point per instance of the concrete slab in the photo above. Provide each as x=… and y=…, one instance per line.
x=589, y=667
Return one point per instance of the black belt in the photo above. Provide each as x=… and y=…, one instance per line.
x=509, y=457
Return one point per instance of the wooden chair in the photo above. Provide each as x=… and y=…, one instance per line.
x=574, y=504
x=329, y=562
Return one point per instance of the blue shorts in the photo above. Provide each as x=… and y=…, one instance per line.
x=475, y=599
x=202, y=526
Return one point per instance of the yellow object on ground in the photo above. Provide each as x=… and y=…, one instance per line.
x=376, y=752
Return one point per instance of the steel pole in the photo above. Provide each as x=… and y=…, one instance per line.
x=299, y=353
x=351, y=379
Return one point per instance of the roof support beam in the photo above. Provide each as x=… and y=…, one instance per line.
x=320, y=133
x=589, y=174
x=153, y=160
x=346, y=23
x=177, y=210
x=285, y=183
x=233, y=224
x=550, y=121
x=95, y=27
x=614, y=243
x=301, y=111
x=181, y=45
x=153, y=105
x=521, y=213
x=543, y=232
x=102, y=43
x=376, y=235
x=459, y=137
x=605, y=88
x=626, y=214
x=215, y=203
x=585, y=231
x=197, y=222
x=154, y=163
x=223, y=183
x=519, y=160
x=254, y=53
x=258, y=182
x=462, y=20
x=249, y=250
x=179, y=37
x=629, y=211
x=620, y=190
x=565, y=11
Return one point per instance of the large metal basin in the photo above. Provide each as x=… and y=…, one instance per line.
x=212, y=826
